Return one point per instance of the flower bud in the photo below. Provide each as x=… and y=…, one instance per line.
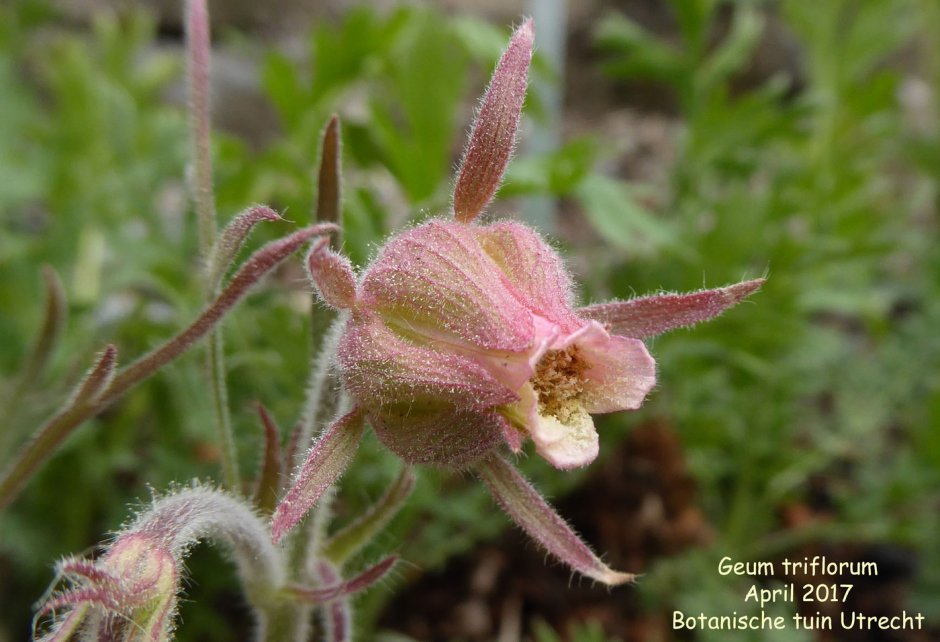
x=129, y=594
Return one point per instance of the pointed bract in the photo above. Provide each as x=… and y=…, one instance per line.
x=326, y=461
x=540, y=521
x=329, y=186
x=98, y=378
x=493, y=136
x=233, y=237
x=55, y=311
x=345, y=588
x=269, y=478
x=651, y=315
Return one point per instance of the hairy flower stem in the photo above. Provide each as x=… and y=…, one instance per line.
x=322, y=400
x=324, y=326
x=328, y=210
x=181, y=519
x=197, y=37
x=197, y=31
x=80, y=408
x=215, y=358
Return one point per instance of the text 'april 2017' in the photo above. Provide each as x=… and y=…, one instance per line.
x=805, y=583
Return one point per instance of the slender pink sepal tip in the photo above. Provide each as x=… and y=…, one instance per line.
x=327, y=460
x=99, y=377
x=651, y=315
x=348, y=587
x=538, y=519
x=233, y=236
x=493, y=135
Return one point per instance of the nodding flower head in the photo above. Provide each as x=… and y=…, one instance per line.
x=464, y=336
x=462, y=339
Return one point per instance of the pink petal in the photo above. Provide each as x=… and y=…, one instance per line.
x=493, y=136
x=652, y=315
x=428, y=433
x=436, y=281
x=332, y=275
x=568, y=445
x=622, y=372
x=532, y=513
x=381, y=367
x=534, y=269
x=565, y=445
x=327, y=460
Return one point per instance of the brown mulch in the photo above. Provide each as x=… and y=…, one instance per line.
x=638, y=505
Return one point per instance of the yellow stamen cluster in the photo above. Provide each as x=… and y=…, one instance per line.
x=559, y=383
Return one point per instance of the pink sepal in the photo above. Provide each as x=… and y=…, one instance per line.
x=534, y=270
x=539, y=520
x=437, y=282
x=380, y=367
x=493, y=136
x=345, y=588
x=437, y=434
x=651, y=315
x=327, y=460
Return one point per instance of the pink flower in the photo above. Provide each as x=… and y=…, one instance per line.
x=462, y=339
x=462, y=336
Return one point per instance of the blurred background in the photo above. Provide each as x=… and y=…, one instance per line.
x=666, y=146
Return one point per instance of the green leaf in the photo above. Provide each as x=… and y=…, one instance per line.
x=614, y=211
x=637, y=52
x=282, y=84
x=734, y=52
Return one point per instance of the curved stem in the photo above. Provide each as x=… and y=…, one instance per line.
x=73, y=414
x=197, y=32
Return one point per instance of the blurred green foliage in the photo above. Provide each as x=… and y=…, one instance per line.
x=830, y=378
x=831, y=188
